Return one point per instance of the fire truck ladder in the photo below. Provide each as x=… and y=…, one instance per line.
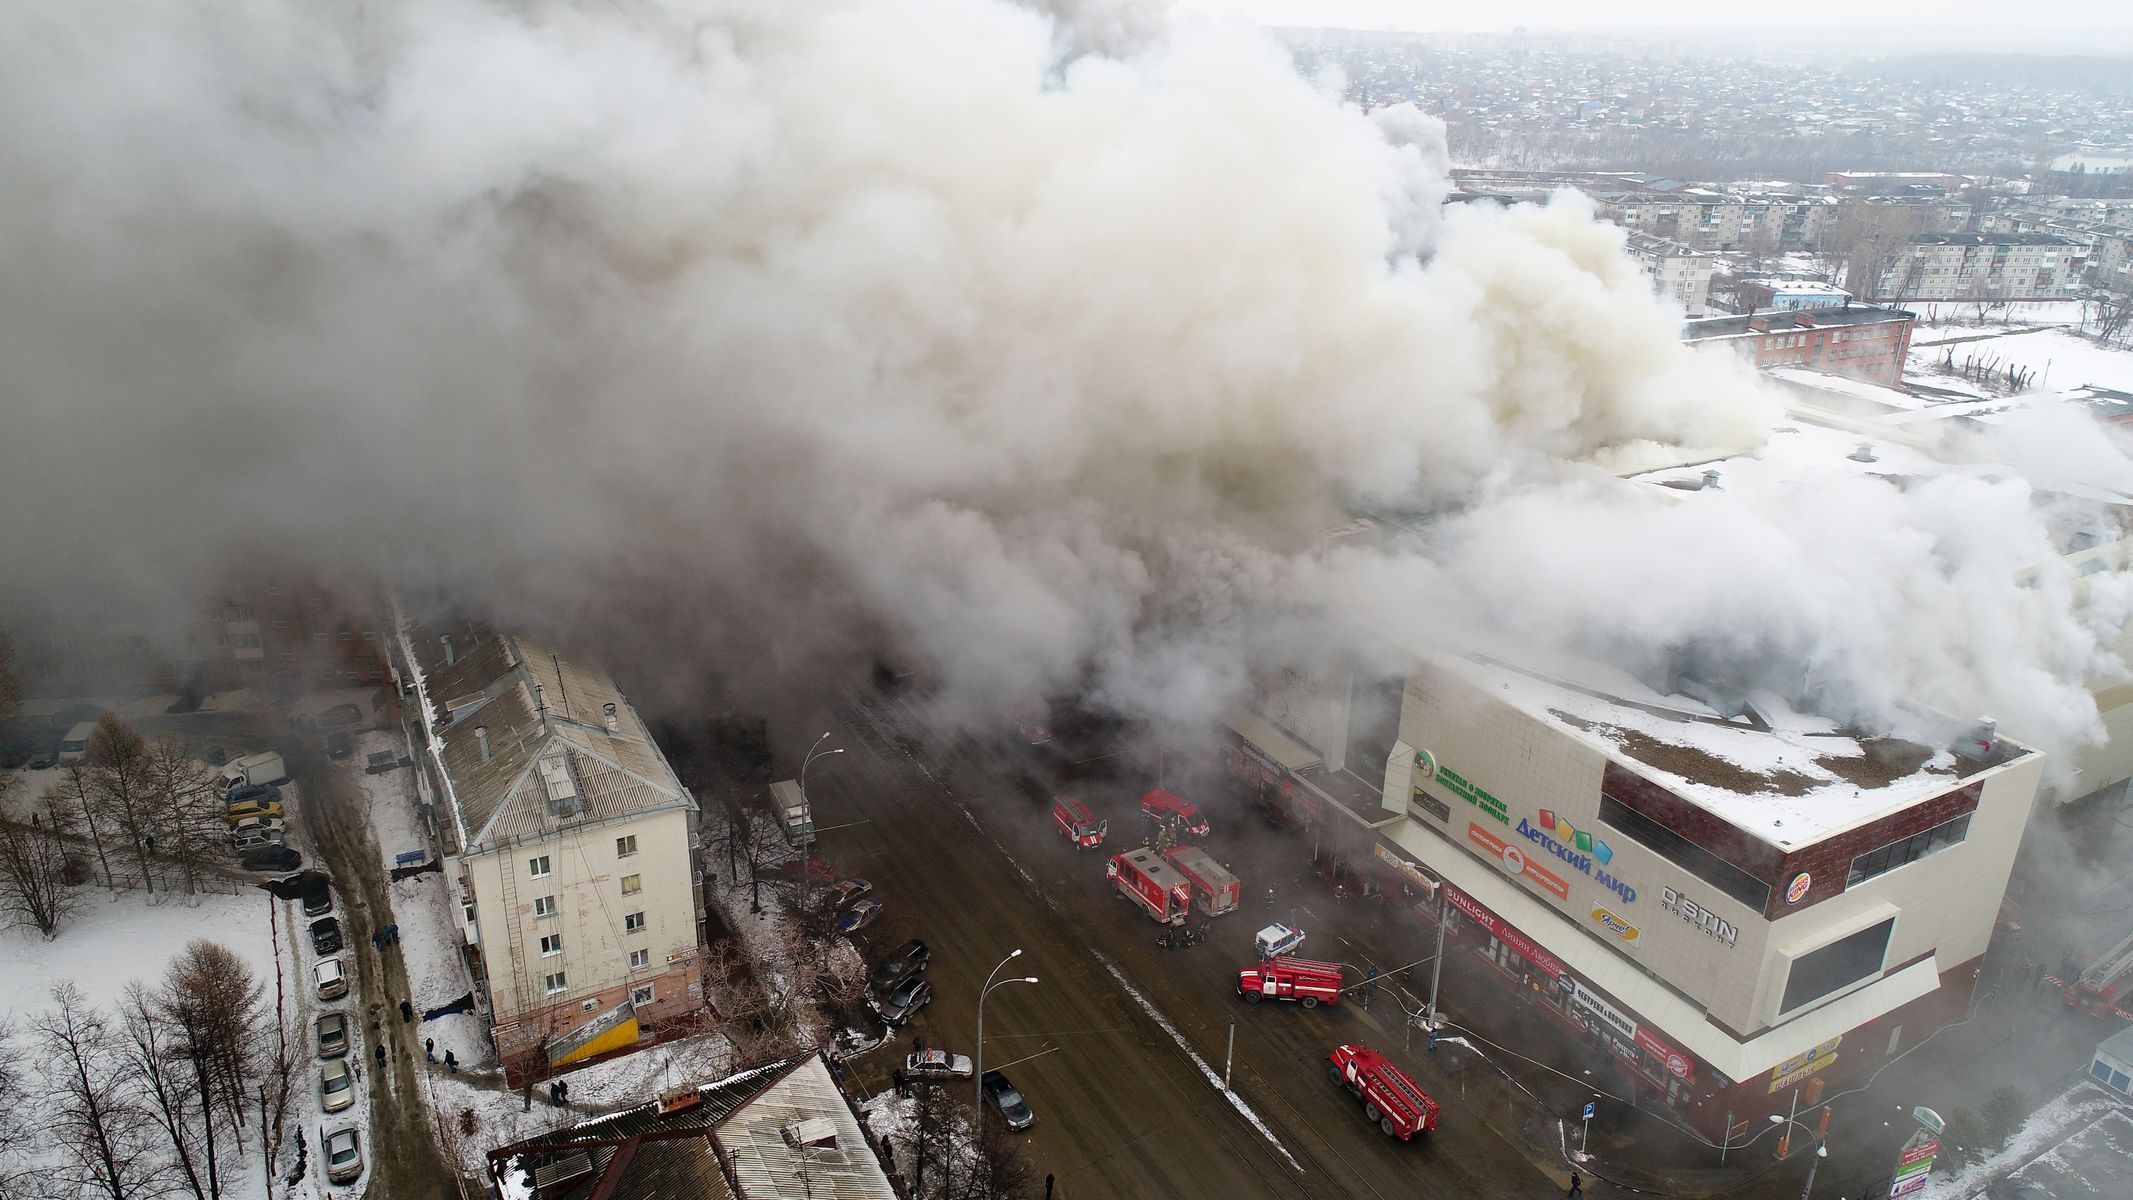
x=2115, y=963
x=1393, y=1079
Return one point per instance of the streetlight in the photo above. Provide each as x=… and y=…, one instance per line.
x=1821, y=1147
x=813, y=752
x=977, y=1113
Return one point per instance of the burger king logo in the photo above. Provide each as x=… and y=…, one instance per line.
x=1797, y=889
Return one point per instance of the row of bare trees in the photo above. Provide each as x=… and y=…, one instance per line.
x=945, y=1159
x=143, y=804
x=153, y=1099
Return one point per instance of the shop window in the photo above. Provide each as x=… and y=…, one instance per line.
x=1836, y=966
x=1906, y=850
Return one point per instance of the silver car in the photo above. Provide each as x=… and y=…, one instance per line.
x=344, y=1154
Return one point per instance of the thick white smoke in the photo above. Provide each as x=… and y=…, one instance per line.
x=767, y=333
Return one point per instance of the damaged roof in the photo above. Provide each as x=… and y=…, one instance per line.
x=527, y=737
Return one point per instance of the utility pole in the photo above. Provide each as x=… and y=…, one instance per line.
x=1436, y=966
x=1229, y=1056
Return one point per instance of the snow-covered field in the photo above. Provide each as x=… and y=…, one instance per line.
x=126, y=937
x=2060, y=359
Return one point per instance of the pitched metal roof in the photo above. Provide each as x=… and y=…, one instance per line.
x=528, y=738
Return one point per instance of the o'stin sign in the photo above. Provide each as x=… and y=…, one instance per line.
x=1796, y=891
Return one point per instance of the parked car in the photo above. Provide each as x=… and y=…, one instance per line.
x=332, y=984
x=937, y=1064
x=318, y=896
x=1002, y=1098
x=248, y=840
x=253, y=825
x=344, y=1154
x=241, y=792
x=336, y=1087
x=45, y=759
x=899, y=1005
x=244, y=810
x=859, y=916
x=272, y=858
x=325, y=935
x=332, y=1035
x=902, y=963
x=849, y=892
x=339, y=745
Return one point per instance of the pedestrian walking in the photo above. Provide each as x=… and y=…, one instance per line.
x=888, y=1156
x=379, y=1053
x=407, y=1012
x=451, y=1062
x=376, y=938
x=1047, y=1185
x=356, y=1065
x=429, y=1049
x=896, y=1077
x=562, y=1090
x=555, y=1097
x=1577, y=1186
x=393, y=931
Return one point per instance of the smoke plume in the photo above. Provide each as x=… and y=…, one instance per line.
x=758, y=336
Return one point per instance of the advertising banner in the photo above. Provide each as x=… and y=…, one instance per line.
x=1548, y=963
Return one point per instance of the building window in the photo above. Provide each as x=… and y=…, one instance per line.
x=1906, y=850
x=633, y=923
x=640, y=959
x=641, y=996
x=632, y=884
x=469, y=910
x=1838, y=965
x=537, y=867
x=543, y=906
x=1685, y=854
x=556, y=983
x=625, y=846
x=551, y=944
x=347, y=635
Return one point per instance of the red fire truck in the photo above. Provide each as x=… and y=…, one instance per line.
x=1218, y=890
x=1390, y=1098
x=1076, y=822
x=1160, y=805
x=1302, y=979
x=1144, y=878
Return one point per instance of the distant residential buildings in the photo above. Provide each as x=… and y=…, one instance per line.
x=1858, y=341
x=1788, y=295
x=1679, y=273
x=1888, y=183
x=1986, y=266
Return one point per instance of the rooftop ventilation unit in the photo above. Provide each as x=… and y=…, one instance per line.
x=613, y=718
x=1710, y=480
x=567, y=1167
x=1980, y=742
x=816, y=1132
x=1865, y=453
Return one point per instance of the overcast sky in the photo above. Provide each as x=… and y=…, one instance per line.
x=2037, y=15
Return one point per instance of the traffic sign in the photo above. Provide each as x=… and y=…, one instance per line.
x=1590, y=1108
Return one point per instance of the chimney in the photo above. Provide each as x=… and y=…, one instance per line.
x=449, y=653
x=481, y=735
x=1865, y=453
x=614, y=721
x=1710, y=480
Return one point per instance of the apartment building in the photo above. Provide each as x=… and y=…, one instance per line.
x=1986, y=266
x=572, y=841
x=1855, y=340
x=1788, y=295
x=1677, y=272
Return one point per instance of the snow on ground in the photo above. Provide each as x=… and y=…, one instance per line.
x=122, y=937
x=2060, y=358
x=2054, y=1123
x=2023, y=312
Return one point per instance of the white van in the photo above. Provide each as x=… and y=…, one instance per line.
x=75, y=746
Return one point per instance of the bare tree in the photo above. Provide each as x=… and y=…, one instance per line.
x=105, y=1142
x=1866, y=243
x=119, y=779
x=34, y=891
x=74, y=792
x=186, y=806
x=210, y=996
x=15, y=1103
x=149, y=1051
x=994, y=1169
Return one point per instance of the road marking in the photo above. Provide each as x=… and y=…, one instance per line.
x=1214, y=1080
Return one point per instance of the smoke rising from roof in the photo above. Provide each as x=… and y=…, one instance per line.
x=772, y=334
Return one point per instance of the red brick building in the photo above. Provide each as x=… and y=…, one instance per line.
x=1857, y=341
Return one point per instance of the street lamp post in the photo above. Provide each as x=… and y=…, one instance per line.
x=813, y=752
x=977, y=1112
x=1436, y=966
x=1821, y=1146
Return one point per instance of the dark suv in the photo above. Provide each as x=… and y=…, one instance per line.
x=318, y=897
x=326, y=935
x=1002, y=1098
x=902, y=964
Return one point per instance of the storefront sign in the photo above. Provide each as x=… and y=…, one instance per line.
x=1615, y=925
x=1458, y=786
x=1603, y=1012
x=1501, y=930
x=1433, y=806
x=1515, y=861
x=1915, y=1162
x=1713, y=925
x=1802, y=1066
x=1914, y=1154
x=1796, y=891
x=1677, y=1063
x=1412, y=873
x=1576, y=848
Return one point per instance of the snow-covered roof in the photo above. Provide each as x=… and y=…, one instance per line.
x=1788, y=777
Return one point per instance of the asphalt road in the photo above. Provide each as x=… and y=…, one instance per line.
x=1116, y=1046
